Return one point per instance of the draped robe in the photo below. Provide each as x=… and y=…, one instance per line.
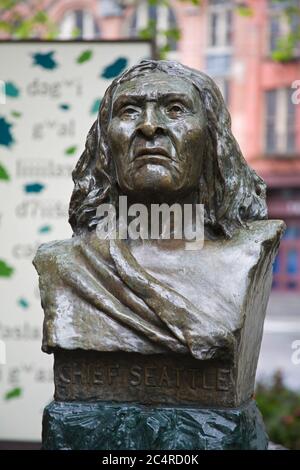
x=154, y=297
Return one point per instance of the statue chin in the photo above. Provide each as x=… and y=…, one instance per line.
x=151, y=179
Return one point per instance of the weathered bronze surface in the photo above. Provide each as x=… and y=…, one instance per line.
x=139, y=378
x=162, y=136
x=91, y=305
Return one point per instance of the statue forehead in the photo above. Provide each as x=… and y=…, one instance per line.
x=154, y=84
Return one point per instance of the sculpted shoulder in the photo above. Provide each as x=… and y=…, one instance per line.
x=47, y=253
x=55, y=252
x=260, y=231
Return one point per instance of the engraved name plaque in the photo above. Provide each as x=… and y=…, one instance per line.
x=151, y=379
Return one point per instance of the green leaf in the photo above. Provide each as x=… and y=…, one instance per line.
x=154, y=3
x=16, y=114
x=13, y=393
x=149, y=32
x=6, y=4
x=285, y=50
x=45, y=229
x=172, y=33
x=4, y=176
x=163, y=51
x=71, y=150
x=193, y=2
x=84, y=56
x=40, y=17
x=4, y=26
x=22, y=302
x=244, y=10
x=23, y=30
x=52, y=33
x=5, y=269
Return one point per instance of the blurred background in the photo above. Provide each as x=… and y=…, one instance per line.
x=252, y=50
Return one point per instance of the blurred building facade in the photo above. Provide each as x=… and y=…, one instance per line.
x=236, y=51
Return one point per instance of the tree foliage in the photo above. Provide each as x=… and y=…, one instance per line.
x=280, y=408
x=286, y=48
x=19, y=23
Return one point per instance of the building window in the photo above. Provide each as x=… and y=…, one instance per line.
x=218, y=58
x=162, y=15
x=220, y=24
x=218, y=67
x=79, y=23
x=279, y=25
x=280, y=122
x=110, y=8
x=218, y=64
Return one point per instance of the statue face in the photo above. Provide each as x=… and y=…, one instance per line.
x=157, y=135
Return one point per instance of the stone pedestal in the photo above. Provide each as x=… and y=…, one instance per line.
x=116, y=426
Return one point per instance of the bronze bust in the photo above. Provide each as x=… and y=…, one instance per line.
x=163, y=135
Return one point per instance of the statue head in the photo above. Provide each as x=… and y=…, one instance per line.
x=157, y=136
x=163, y=131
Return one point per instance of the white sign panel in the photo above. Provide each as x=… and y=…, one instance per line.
x=49, y=97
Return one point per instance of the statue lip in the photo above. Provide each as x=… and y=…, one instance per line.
x=148, y=151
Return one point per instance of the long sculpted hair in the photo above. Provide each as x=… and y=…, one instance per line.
x=232, y=193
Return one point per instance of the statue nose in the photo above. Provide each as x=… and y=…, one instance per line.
x=150, y=123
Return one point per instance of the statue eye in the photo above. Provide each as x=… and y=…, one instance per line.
x=175, y=110
x=129, y=112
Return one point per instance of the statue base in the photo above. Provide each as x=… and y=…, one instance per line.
x=116, y=426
